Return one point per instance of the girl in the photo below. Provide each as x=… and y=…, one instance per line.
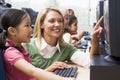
x=72, y=29
x=16, y=29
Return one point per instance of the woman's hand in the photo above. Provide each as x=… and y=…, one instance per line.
x=97, y=31
x=57, y=65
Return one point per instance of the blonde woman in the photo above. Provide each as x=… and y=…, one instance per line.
x=47, y=48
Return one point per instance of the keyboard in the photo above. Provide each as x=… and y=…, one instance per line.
x=67, y=72
x=82, y=45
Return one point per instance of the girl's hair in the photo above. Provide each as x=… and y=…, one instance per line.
x=71, y=11
x=38, y=33
x=9, y=18
x=72, y=18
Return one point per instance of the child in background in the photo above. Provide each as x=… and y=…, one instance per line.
x=72, y=27
x=16, y=29
x=66, y=36
x=71, y=12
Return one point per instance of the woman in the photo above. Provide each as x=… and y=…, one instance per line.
x=48, y=45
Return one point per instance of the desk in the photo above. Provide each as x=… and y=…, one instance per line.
x=103, y=70
x=83, y=74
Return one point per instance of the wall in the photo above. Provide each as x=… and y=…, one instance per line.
x=85, y=10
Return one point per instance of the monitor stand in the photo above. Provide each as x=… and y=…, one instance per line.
x=112, y=59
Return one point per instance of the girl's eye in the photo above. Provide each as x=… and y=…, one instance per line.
x=75, y=24
x=27, y=25
x=66, y=18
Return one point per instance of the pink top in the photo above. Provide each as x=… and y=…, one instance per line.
x=11, y=55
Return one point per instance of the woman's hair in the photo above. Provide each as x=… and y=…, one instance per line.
x=64, y=12
x=38, y=33
x=72, y=18
x=9, y=18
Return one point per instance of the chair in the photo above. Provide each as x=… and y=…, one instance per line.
x=2, y=70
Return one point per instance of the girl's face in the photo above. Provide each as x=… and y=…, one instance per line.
x=23, y=31
x=73, y=27
x=52, y=25
x=71, y=13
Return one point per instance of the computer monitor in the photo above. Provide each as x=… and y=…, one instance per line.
x=112, y=30
x=99, y=9
x=99, y=14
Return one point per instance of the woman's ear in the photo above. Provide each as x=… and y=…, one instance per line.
x=12, y=31
x=41, y=27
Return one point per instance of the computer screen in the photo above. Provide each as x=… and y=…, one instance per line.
x=112, y=30
x=99, y=14
x=99, y=9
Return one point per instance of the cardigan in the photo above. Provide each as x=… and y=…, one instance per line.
x=41, y=62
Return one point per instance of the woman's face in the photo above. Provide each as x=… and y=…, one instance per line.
x=53, y=25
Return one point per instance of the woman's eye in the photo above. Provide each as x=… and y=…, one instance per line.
x=60, y=21
x=51, y=21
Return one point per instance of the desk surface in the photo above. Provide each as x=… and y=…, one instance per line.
x=83, y=74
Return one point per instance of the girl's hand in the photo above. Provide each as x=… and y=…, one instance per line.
x=68, y=78
x=57, y=65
